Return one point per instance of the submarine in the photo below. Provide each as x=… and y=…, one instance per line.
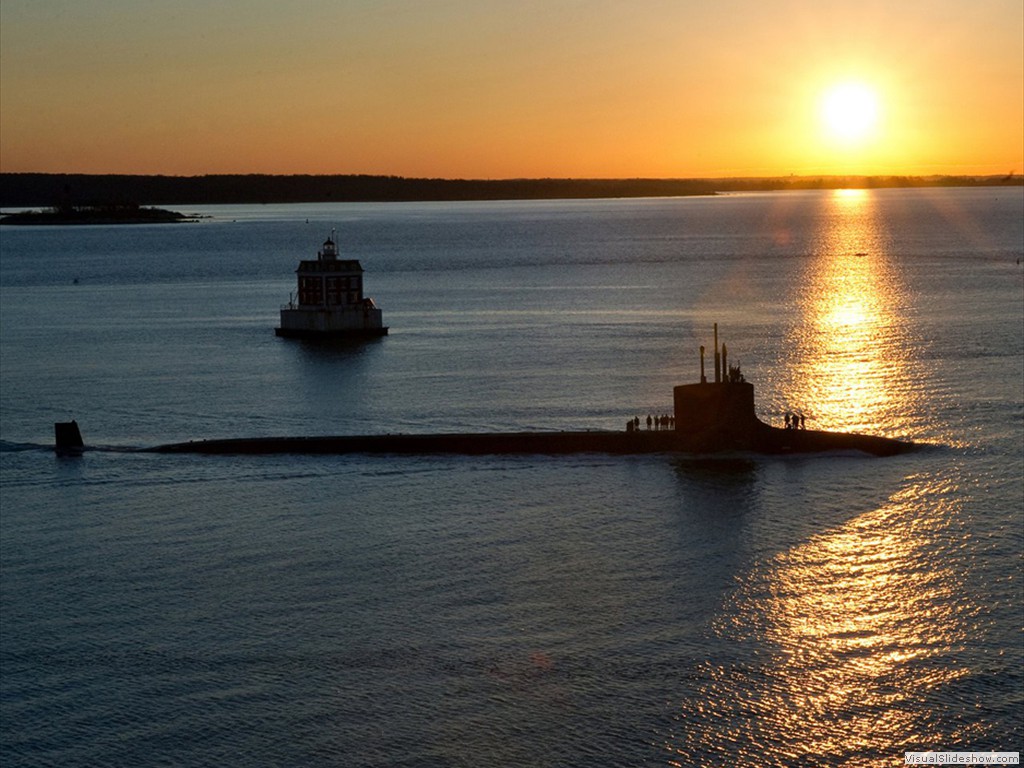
x=710, y=417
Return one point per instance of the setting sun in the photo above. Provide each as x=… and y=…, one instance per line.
x=849, y=112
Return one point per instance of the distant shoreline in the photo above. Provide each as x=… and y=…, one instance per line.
x=95, y=215
x=94, y=190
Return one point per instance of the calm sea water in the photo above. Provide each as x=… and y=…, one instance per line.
x=516, y=611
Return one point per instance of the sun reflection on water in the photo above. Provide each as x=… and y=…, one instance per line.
x=841, y=646
x=848, y=366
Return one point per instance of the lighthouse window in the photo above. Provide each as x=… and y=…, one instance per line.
x=310, y=290
x=336, y=290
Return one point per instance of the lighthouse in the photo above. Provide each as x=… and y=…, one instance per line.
x=329, y=302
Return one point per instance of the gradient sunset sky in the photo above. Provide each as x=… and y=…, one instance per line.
x=514, y=89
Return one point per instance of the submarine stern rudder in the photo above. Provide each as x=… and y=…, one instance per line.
x=67, y=438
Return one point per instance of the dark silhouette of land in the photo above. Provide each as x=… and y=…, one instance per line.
x=99, y=214
x=57, y=190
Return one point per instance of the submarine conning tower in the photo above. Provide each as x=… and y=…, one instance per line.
x=723, y=407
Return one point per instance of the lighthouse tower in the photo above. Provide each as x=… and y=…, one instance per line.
x=330, y=302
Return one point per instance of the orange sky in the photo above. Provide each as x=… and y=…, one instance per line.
x=520, y=88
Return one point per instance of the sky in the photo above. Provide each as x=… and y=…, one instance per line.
x=514, y=88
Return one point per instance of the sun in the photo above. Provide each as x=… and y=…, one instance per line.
x=849, y=112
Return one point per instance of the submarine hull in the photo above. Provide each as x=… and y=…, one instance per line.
x=762, y=439
x=709, y=418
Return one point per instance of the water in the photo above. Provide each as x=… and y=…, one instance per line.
x=532, y=611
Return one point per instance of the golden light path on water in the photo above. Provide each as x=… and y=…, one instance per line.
x=848, y=366
x=853, y=629
x=838, y=646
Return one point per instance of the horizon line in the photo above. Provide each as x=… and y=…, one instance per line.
x=752, y=177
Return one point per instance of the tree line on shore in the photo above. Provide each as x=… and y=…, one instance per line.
x=59, y=190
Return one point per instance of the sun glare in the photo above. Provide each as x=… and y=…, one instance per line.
x=850, y=112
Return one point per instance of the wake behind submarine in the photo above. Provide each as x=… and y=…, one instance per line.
x=710, y=417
